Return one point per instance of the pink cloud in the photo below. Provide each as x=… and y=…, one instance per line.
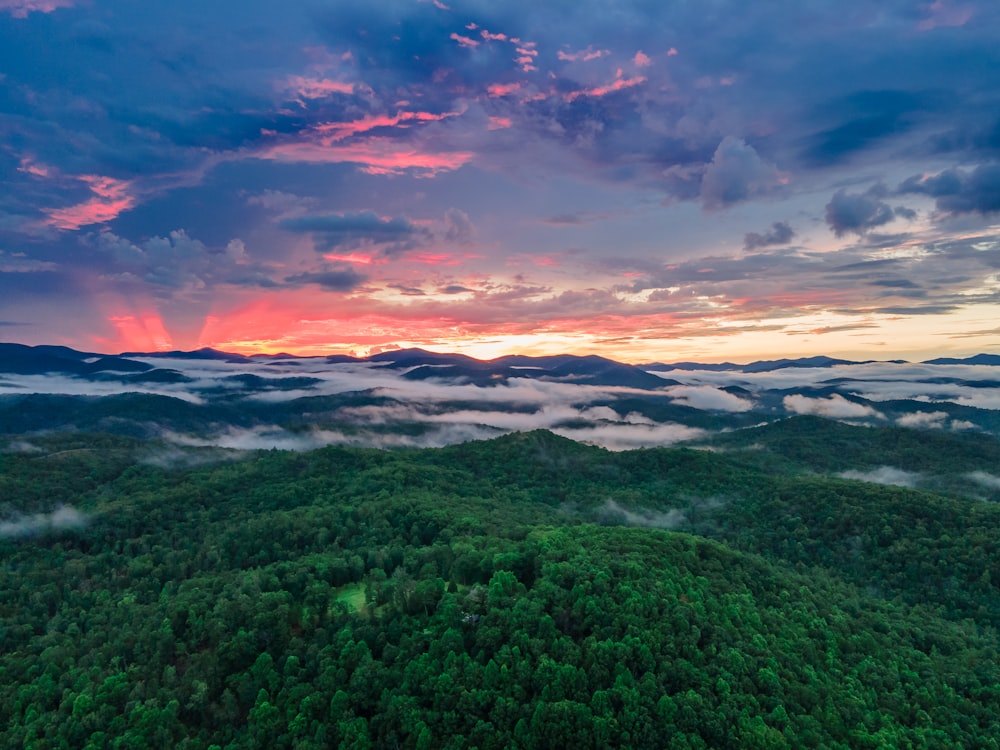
x=111, y=198
x=464, y=41
x=502, y=89
x=499, y=123
x=374, y=156
x=21, y=8
x=336, y=131
x=621, y=83
x=358, y=258
x=441, y=6
x=942, y=13
x=526, y=56
x=584, y=54
x=493, y=37
x=316, y=88
x=440, y=259
x=672, y=52
x=642, y=60
x=30, y=167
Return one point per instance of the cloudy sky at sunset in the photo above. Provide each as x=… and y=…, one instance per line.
x=645, y=180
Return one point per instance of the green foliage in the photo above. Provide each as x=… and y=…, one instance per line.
x=489, y=595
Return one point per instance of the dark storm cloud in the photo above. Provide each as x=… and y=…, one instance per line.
x=960, y=191
x=780, y=233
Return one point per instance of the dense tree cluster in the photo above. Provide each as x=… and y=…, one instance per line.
x=490, y=595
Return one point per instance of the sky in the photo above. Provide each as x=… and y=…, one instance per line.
x=647, y=181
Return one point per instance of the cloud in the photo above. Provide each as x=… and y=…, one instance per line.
x=708, y=398
x=71, y=386
x=62, y=518
x=735, y=174
x=644, y=517
x=923, y=419
x=959, y=191
x=21, y=8
x=943, y=13
x=835, y=407
x=316, y=88
x=990, y=481
x=110, y=198
x=780, y=233
x=884, y=475
x=623, y=437
x=341, y=227
x=175, y=261
x=860, y=212
x=621, y=83
x=585, y=54
x=333, y=280
x=374, y=155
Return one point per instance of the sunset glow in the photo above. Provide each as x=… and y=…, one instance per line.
x=648, y=184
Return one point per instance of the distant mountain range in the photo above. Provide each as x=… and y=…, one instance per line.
x=413, y=397
x=22, y=359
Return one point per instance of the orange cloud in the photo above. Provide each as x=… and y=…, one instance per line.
x=111, y=198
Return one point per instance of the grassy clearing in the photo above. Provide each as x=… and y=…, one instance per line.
x=353, y=595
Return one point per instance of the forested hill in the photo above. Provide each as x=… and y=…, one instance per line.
x=526, y=592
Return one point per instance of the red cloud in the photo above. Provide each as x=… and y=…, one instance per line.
x=111, y=198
